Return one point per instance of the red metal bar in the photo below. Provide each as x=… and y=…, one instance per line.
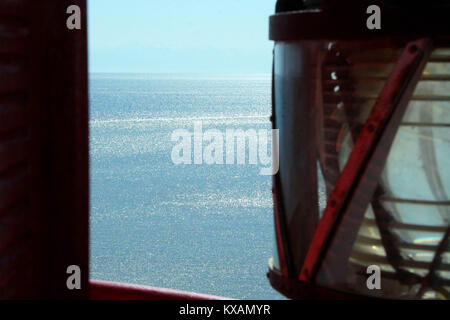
x=356, y=184
x=105, y=290
x=44, y=143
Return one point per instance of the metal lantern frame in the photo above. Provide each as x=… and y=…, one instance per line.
x=416, y=33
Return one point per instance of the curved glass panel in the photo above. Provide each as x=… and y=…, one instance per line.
x=323, y=94
x=409, y=214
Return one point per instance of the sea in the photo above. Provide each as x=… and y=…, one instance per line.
x=206, y=228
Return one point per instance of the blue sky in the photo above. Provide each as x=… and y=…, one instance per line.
x=204, y=36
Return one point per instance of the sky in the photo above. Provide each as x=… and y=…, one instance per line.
x=180, y=36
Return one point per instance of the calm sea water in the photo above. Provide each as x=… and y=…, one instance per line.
x=205, y=228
